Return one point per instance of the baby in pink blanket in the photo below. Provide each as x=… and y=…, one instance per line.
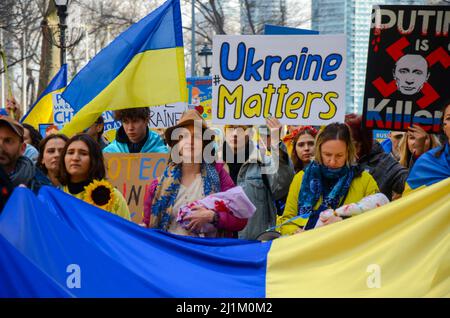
x=368, y=203
x=233, y=201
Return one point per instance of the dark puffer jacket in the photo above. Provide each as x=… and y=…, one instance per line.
x=387, y=172
x=6, y=188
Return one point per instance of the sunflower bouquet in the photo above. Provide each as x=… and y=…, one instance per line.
x=100, y=193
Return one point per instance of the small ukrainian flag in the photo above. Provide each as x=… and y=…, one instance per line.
x=42, y=110
x=142, y=67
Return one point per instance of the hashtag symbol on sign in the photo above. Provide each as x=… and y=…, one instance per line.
x=216, y=80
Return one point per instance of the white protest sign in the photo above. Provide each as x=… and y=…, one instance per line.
x=299, y=79
x=160, y=116
x=109, y=121
x=166, y=115
x=62, y=111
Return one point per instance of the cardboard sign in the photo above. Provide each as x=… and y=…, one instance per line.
x=408, y=63
x=132, y=174
x=298, y=79
x=200, y=95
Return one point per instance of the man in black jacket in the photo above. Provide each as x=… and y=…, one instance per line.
x=6, y=188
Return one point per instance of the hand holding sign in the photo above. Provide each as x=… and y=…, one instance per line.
x=419, y=136
x=275, y=130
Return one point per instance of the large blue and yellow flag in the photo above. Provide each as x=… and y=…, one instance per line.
x=142, y=67
x=42, y=110
x=58, y=246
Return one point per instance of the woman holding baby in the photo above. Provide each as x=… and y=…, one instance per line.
x=188, y=180
x=332, y=180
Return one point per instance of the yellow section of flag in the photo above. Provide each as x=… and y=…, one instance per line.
x=142, y=83
x=42, y=112
x=398, y=250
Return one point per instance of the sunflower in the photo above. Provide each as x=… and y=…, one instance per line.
x=100, y=193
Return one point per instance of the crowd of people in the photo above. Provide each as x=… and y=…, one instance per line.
x=288, y=184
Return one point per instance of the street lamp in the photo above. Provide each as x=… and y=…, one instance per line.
x=205, y=61
x=61, y=6
x=60, y=40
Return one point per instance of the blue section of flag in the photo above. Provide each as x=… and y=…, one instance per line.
x=18, y=274
x=118, y=258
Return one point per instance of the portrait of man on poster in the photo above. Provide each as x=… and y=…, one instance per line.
x=411, y=73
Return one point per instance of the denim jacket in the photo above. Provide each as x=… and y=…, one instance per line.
x=262, y=191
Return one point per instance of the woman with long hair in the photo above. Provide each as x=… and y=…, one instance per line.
x=434, y=165
x=31, y=135
x=50, y=149
x=303, y=140
x=189, y=177
x=333, y=179
x=82, y=174
x=415, y=143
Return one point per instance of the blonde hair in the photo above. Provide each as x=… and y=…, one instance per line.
x=335, y=131
x=405, y=153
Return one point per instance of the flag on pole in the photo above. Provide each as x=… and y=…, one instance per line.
x=142, y=67
x=42, y=110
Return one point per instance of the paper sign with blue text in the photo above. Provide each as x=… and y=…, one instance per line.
x=165, y=116
x=298, y=79
x=62, y=111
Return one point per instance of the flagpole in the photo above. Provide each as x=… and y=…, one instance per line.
x=193, y=73
x=86, y=42
x=24, y=74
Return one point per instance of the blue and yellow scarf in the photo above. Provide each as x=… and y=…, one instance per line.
x=320, y=181
x=167, y=191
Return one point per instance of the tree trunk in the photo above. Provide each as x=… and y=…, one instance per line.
x=50, y=63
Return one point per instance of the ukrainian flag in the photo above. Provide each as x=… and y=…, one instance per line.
x=143, y=67
x=42, y=110
x=398, y=250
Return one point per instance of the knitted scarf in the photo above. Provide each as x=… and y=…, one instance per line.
x=319, y=181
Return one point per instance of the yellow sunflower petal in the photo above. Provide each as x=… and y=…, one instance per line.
x=89, y=189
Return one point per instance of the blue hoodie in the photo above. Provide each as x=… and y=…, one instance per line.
x=153, y=143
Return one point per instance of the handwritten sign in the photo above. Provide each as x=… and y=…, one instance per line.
x=299, y=79
x=166, y=115
x=132, y=174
